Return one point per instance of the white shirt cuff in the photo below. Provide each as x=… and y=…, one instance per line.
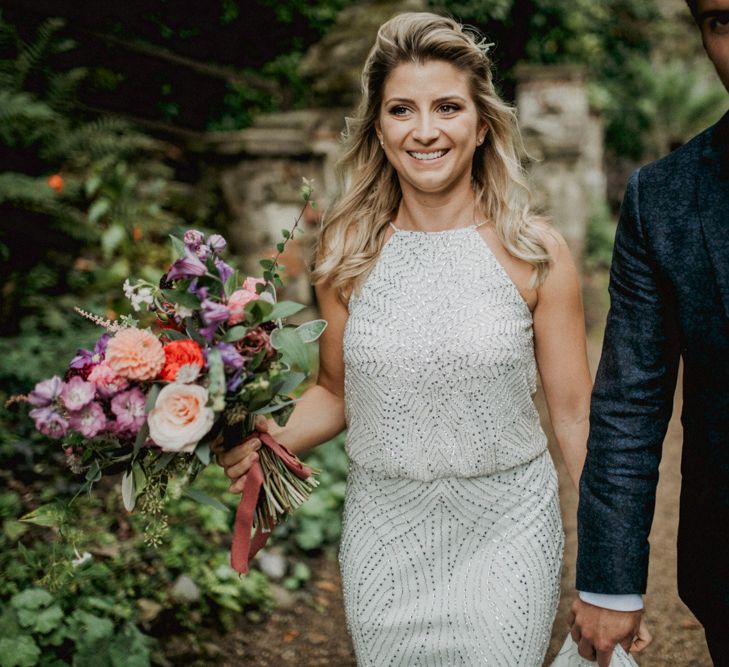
x=626, y=602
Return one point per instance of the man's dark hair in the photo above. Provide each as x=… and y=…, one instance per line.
x=694, y=7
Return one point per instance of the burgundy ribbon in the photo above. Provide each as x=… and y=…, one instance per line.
x=244, y=548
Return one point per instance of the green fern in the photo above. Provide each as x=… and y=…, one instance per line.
x=24, y=119
x=32, y=54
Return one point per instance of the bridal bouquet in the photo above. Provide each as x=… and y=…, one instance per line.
x=148, y=401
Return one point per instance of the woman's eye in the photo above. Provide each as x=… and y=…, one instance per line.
x=448, y=108
x=399, y=110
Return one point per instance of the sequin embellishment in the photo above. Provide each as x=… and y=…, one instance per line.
x=452, y=541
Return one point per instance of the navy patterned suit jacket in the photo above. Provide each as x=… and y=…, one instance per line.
x=669, y=289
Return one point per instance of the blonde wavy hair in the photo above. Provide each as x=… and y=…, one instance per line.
x=354, y=230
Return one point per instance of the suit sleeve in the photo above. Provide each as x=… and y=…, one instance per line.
x=631, y=405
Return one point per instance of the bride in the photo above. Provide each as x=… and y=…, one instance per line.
x=445, y=295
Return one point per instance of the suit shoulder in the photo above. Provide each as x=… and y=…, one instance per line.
x=680, y=164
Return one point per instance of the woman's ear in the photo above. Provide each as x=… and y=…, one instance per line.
x=378, y=131
x=481, y=134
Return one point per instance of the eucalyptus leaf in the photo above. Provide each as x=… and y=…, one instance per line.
x=231, y=284
x=258, y=311
x=205, y=499
x=235, y=333
x=141, y=437
x=274, y=407
x=93, y=474
x=163, y=461
x=290, y=382
x=182, y=297
x=284, y=309
x=289, y=343
x=152, y=395
x=202, y=451
x=129, y=496
x=310, y=331
x=140, y=478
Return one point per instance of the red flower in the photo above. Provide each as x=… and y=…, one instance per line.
x=56, y=183
x=179, y=353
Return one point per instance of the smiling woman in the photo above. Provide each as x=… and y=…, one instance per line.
x=428, y=88
x=444, y=295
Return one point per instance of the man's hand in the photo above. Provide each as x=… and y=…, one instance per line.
x=597, y=631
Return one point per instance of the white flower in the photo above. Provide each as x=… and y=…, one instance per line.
x=187, y=373
x=182, y=312
x=180, y=419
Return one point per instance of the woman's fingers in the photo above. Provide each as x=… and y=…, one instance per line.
x=238, y=485
x=261, y=424
x=241, y=467
x=238, y=453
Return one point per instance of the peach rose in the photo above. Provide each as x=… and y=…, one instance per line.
x=179, y=418
x=135, y=354
x=238, y=300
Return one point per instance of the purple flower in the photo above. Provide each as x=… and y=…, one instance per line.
x=230, y=356
x=193, y=239
x=212, y=314
x=129, y=410
x=89, y=421
x=77, y=393
x=224, y=270
x=45, y=392
x=100, y=347
x=217, y=243
x=235, y=380
x=186, y=267
x=86, y=358
x=49, y=422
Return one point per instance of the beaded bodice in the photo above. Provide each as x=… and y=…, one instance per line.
x=439, y=362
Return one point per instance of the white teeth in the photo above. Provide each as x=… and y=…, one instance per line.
x=428, y=156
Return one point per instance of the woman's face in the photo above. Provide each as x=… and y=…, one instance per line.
x=430, y=128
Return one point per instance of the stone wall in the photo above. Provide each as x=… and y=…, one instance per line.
x=565, y=142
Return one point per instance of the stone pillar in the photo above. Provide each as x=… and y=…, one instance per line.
x=564, y=140
x=260, y=171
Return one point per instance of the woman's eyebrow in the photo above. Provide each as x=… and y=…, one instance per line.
x=444, y=98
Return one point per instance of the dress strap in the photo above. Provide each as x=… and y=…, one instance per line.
x=397, y=229
x=480, y=224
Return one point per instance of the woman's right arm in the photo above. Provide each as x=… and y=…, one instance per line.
x=318, y=415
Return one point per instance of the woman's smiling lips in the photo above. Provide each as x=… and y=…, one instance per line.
x=427, y=156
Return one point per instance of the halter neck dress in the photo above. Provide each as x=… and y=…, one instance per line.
x=452, y=538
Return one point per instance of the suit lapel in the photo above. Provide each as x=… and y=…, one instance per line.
x=713, y=203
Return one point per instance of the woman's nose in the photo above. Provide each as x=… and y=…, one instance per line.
x=425, y=130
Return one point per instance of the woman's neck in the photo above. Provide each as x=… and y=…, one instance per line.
x=429, y=214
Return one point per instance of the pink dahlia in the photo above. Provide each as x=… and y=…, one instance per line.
x=135, y=354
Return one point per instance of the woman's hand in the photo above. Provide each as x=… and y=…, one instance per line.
x=238, y=460
x=642, y=639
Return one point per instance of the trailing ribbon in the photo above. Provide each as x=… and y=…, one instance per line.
x=244, y=548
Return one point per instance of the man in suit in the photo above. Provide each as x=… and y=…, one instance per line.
x=669, y=288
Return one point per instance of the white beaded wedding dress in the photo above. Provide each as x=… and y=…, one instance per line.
x=452, y=540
